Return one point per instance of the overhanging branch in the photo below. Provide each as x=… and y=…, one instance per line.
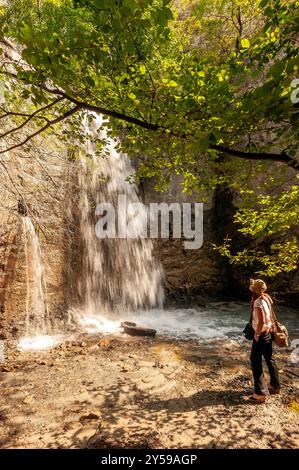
x=282, y=157
x=105, y=112
x=273, y=157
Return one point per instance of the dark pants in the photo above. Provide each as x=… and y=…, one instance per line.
x=261, y=348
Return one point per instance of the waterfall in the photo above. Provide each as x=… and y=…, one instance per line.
x=118, y=275
x=37, y=322
x=37, y=316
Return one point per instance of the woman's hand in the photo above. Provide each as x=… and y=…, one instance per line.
x=265, y=329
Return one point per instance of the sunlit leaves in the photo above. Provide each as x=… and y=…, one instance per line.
x=282, y=258
x=245, y=43
x=275, y=217
x=189, y=71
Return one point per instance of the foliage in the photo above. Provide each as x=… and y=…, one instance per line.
x=271, y=226
x=185, y=85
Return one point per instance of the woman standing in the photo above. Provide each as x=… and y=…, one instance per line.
x=262, y=323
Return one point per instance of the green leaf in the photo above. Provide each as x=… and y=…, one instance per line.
x=132, y=4
x=172, y=83
x=277, y=69
x=132, y=96
x=26, y=31
x=163, y=16
x=245, y=43
x=125, y=12
x=264, y=3
x=142, y=69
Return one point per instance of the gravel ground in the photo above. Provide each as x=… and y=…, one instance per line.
x=107, y=392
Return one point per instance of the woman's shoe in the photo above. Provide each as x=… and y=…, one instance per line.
x=257, y=398
x=273, y=390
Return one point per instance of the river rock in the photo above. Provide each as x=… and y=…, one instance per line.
x=132, y=329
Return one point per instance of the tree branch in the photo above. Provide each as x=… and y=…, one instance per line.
x=273, y=157
x=31, y=116
x=281, y=158
x=50, y=123
x=105, y=112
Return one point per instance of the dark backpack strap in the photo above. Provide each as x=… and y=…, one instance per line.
x=251, y=315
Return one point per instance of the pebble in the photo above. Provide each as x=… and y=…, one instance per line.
x=27, y=400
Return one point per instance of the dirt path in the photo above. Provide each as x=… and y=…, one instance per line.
x=125, y=392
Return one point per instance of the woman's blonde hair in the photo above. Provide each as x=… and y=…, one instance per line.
x=258, y=286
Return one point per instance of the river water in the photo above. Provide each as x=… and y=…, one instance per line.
x=218, y=320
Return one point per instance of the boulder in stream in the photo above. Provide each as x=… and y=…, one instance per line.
x=132, y=329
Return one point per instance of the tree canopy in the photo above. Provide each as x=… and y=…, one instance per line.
x=195, y=87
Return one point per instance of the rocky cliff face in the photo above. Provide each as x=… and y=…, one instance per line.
x=187, y=270
x=41, y=184
x=203, y=272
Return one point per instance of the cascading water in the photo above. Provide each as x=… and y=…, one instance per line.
x=120, y=278
x=37, y=316
x=118, y=275
x=38, y=330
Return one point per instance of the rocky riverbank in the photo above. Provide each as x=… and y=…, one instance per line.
x=117, y=391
